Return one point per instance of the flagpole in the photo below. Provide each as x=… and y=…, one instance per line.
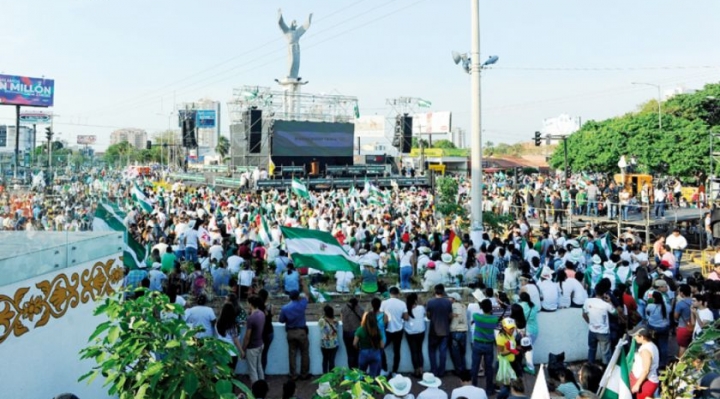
x=608, y=372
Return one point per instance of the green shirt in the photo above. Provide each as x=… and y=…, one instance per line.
x=168, y=262
x=364, y=341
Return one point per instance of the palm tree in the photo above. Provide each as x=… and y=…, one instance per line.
x=223, y=147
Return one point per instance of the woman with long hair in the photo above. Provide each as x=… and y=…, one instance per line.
x=369, y=342
x=658, y=318
x=351, y=316
x=414, y=327
x=227, y=330
x=530, y=310
x=382, y=321
x=407, y=261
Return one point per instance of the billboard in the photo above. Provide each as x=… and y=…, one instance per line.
x=432, y=122
x=312, y=139
x=205, y=119
x=185, y=114
x=86, y=139
x=22, y=90
x=372, y=126
x=35, y=117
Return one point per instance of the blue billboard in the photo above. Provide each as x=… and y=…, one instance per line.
x=22, y=90
x=205, y=119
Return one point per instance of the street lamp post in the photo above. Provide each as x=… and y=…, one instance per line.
x=659, y=100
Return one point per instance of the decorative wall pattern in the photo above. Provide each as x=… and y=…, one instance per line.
x=55, y=297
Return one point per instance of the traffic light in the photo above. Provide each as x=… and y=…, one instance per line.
x=537, y=139
x=48, y=133
x=148, y=145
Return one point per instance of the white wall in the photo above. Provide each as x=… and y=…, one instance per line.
x=561, y=331
x=44, y=362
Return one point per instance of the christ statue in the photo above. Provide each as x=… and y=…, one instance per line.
x=293, y=34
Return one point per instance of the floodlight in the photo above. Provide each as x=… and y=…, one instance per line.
x=457, y=57
x=491, y=60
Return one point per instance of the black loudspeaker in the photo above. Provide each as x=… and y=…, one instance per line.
x=255, y=141
x=188, y=133
x=407, y=122
x=715, y=222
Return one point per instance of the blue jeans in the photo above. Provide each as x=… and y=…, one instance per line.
x=678, y=258
x=370, y=358
x=436, y=344
x=659, y=209
x=458, y=344
x=613, y=211
x=591, y=204
x=602, y=340
x=486, y=351
x=191, y=254
x=625, y=209
x=405, y=274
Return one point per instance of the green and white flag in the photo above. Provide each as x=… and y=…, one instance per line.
x=318, y=295
x=106, y=219
x=317, y=249
x=423, y=103
x=264, y=230
x=141, y=199
x=300, y=189
x=615, y=383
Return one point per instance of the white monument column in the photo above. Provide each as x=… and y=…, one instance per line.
x=476, y=219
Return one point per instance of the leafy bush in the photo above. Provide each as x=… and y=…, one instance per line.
x=146, y=349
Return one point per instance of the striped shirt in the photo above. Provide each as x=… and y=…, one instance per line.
x=489, y=274
x=484, y=331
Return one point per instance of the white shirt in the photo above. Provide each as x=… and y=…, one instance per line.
x=245, y=277
x=468, y=391
x=533, y=291
x=216, y=252
x=394, y=309
x=550, y=294
x=191, y=238
x=201, y=316
x=343, y=281
x=234, y=263
x=676, y=243
x=638, y=365
x=416, y=324
x=705, y=315
x=432, y=393
x=598, y=312
x=572, y=292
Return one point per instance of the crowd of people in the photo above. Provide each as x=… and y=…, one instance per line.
x=205, y=242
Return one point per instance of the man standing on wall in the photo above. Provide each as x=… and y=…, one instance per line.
x=394, y=308
x=293, y=315
x=439, y=311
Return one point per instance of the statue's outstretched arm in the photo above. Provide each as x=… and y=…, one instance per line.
x=301, y=30
x=281, y=22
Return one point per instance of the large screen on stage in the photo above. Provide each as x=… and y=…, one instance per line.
x=312, y=139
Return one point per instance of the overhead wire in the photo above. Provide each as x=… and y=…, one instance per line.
x=233, y=68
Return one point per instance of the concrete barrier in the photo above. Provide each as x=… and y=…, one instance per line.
x=561, y=331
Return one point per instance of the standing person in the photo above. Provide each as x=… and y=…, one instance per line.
x=659, y=202
x=328, y=327
x=369, y=344
x=268, y=330
x=394, y=308
x=458, y=333
x=558, y=210
x=201, y=315
x=530, y=311
x=226, y=330
x=483, y=340
x=701, y=316
x=592, y=194
x=293, y=315
x=644, y=374
x=683, y=309
x=596, y=312
x=658, y=319
x=439, y=311
x=191, y=242
x=406, y=266
x=382, y=322
x=253, y=342
x=677, y=244
x=351, y=316
x=414, y=327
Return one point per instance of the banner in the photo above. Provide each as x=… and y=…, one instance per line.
x=432, y=122
x=35, y=117
x=23, y=90
x=86, y=139
x=370, y=126
x=205, y=119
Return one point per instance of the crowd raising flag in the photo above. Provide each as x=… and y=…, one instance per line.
x=141, y=199
x=318, y=250
x=453, y=244
x=108, y=217
x=299, y=189
x=615, y=383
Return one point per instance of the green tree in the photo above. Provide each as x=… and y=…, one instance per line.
x=145, y=349
x=222, y=147
x=446, y=144
x=416, y=142
x=120, y=153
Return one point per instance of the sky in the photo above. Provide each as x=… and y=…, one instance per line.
x=126, y=63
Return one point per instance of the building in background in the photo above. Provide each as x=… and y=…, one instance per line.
x=7, y=139
x=458, y=137
x=136, y=137
x=563, y=125
x=207, y=124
